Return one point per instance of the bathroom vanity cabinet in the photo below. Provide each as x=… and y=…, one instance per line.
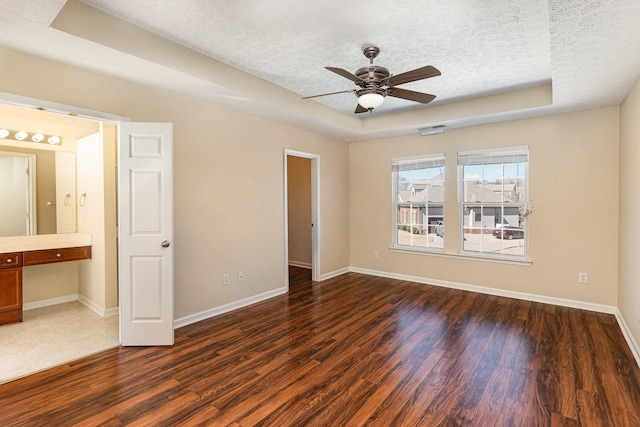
x=23, y=256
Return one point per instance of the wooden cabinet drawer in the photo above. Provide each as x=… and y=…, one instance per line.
x=11, y=260
x=56, y=255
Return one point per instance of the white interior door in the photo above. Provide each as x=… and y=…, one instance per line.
x=145, y=259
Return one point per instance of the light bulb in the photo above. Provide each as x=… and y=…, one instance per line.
x=4, y=133
x=38, y=137
x=21, y=135
x=54, y=140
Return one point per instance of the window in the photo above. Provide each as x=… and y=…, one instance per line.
x=493, y=201
x=418, y=191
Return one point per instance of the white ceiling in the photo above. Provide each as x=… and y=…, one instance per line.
x=588, y=50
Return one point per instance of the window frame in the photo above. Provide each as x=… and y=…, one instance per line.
x=430, y=161
x=505, y=155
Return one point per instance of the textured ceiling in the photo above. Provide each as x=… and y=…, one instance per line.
x=589, y=50
x=478, y=46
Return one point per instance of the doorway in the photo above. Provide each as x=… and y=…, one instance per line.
x=301, y=210
x=70, y=309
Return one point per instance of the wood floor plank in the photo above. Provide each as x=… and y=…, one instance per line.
x=349, y=351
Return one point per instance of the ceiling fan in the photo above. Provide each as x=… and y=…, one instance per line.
x=375, y=83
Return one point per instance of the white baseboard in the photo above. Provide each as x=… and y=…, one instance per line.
x=601, y=308
x=300, y=264
x=203, y=315
x=335, y=273
x=96, y=308
x=51, y=301
x=113, y=311
x=633, y=344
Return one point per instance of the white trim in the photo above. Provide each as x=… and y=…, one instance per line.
x=335, y=273
x=96, y=308
x=113, y=311
x=633, y=344
x=51, y=301
x=300, y=264
x=204, y=315
x=54, y=107
x=601, y=308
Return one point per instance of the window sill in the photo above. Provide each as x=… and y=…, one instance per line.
x=479, y=258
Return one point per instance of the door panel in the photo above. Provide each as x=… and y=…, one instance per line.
x=145, y=195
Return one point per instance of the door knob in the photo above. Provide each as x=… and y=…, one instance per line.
x=166, y=244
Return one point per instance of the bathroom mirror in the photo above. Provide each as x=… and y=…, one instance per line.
x=37, y=191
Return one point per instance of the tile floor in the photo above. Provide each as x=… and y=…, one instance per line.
x=51, y=336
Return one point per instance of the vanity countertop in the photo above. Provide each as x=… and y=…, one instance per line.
x=45, y=241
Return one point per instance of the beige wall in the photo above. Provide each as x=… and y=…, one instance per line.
x=42, y=282
x=228, y=180
x=96, y=158
x=299, y=204
x=629, y=227
x=573, y=185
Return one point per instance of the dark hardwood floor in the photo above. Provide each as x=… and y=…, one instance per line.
x=353, y=350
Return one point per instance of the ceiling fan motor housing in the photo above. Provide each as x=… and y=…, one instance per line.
x=372, y=75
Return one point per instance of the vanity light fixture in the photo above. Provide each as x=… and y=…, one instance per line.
x=54, y=140
x=21, y=135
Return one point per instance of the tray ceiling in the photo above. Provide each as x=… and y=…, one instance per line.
x=586, y=53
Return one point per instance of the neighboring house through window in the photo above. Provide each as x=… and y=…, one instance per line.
x=493, y=201
x=418, y=190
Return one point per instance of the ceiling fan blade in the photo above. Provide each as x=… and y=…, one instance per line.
x=410, y=95
x=412, y=76
x=327, y=94
x=345, y=73
x=360, y=109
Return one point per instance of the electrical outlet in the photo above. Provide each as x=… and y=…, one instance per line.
x=583, y=278
x=375, y=253
x=241, y=276
x=226, y=280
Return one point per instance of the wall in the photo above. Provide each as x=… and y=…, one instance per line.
x=629, y=227
x=573, y=184
x=96, y=158
x=299, y=215
x=43, y=282
x=228, y=180
x=110, y=213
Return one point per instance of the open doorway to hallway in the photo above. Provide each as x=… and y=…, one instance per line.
x=301, y=210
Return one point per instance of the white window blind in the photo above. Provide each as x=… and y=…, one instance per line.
x=422, y=163
x=510, y=155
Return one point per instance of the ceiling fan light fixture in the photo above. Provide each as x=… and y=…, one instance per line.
x=371, y=99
